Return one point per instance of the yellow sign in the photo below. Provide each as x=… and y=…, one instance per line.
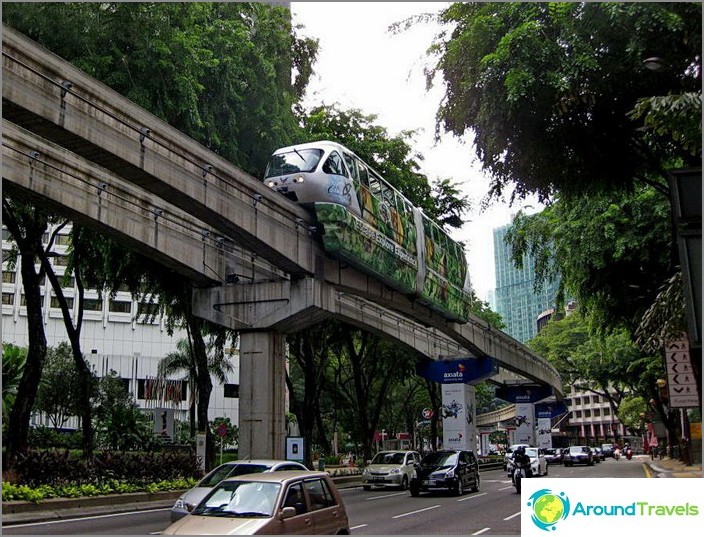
x=695, y=430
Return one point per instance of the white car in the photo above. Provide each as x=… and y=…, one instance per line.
x=538, y=462
x=390, y=468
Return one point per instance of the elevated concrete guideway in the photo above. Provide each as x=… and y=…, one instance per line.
x=167, y=170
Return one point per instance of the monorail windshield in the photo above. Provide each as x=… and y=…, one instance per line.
x=298, y=160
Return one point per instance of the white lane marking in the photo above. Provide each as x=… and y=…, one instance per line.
x=473, y=496
x=79, y=519
x=357, y=527
x=386, y=496
x=416, y=512
x=512, y=516
x=506, y=488
x=481, y=531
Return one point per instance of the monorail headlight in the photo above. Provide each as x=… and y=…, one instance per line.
x=271, y=184
x=299, y=179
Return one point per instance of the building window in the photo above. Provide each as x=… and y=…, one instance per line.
x=55, y=302
x=63, y=239
x=8, y=299
x=60, y=261
x=232, y=391
x=92, y=304
x=578, y=414
x=595, y=399
x=146, y=311
x=587, y=413
x=9, y=276
x=607, y=411
x=120, y=306
x=597, y=412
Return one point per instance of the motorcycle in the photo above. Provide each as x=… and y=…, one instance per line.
x=518, y=473
x=629, y=453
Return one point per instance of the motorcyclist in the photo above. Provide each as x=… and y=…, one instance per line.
x=521, y=460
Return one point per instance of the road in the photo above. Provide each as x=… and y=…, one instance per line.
x=494, y=510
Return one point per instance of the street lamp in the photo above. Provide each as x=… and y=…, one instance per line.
x=655, y=63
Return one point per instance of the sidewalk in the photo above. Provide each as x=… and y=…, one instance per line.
x=671, y=468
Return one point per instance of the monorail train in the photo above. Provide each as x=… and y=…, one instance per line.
x=369, y=224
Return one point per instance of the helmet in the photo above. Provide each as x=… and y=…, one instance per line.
x=520, y=450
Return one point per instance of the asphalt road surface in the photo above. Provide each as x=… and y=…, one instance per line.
x=494, y=510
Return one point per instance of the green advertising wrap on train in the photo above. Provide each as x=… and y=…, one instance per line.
x=372, y=226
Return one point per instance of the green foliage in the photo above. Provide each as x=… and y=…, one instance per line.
x=120, y=424
x=547, y=90
x=13, y=360
x=629, y=414
x=59, y=391
x=12, y=492
x=611, y=252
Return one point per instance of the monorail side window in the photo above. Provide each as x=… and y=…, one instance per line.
x=333, y=165
x=299, y=160
x=351, y=166
x=363, y=174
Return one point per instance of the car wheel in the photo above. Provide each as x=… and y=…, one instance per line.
x=459, y=489
x=404, y=482
x=367, y=487
x=477, y=482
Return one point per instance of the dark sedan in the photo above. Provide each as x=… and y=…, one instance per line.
x=578, y=455
x=449, y=470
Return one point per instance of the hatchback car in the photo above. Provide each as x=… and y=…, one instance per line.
x=578, y=455
x=278, y=503
x=450, y=470
x=607, y=450
x=390, y=468
x=189, y=499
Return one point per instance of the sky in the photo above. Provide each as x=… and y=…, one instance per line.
x=362, y=65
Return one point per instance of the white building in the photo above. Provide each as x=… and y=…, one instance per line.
x=112, y=338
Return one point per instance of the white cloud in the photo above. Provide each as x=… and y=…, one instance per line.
x=362, y=65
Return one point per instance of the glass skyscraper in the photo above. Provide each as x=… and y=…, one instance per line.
x=514, y=298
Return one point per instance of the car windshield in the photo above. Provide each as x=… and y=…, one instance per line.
x=298, y=160
x=240, y=499
x=440, y=459
x=230, y=470
x=388, y=458
x=532, y=453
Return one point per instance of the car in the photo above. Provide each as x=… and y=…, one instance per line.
x=509, y=453
x=607, y=450
x=538, y=463
x=598, y=454
x=449, y=470
x=578, y=455
x=553, y=455
x=189, y=499
x=390, y=469
x=278, y=503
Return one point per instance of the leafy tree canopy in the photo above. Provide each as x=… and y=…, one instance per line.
x=611, y=252
x=547, y=89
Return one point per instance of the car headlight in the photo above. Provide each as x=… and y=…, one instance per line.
x=299, y=179
x=271, y=184
x=180, y=504
x=366, y=471
x=395, y=471
x=450, y=474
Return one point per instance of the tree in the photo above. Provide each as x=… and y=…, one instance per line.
x=547, y=89
x=183, y=361
x=59, y=391
x=120, y=424
x=610, y=252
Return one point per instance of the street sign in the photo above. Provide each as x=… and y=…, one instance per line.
x=427, y=413
x=680, y=376
x=222, y=429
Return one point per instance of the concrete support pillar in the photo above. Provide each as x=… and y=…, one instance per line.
x=262, y=419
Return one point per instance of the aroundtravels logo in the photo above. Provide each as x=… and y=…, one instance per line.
x=548, y=508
